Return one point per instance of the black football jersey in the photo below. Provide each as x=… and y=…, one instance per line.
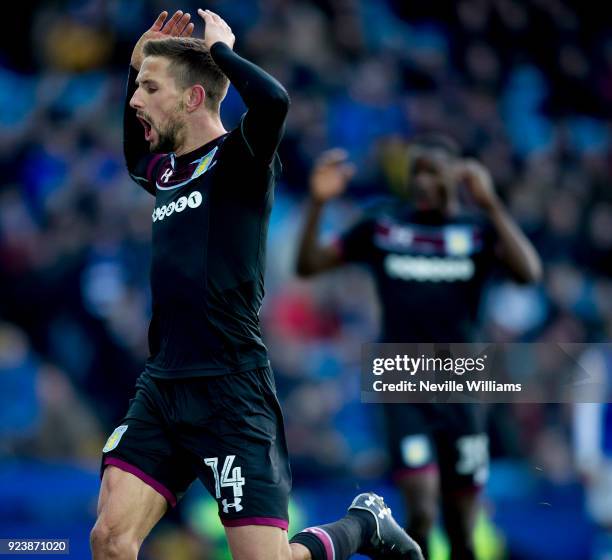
x=429, y=271
x=210, y=224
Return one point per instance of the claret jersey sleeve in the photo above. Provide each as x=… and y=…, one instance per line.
x=141, y=163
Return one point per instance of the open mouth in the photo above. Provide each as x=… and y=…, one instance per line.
x=147, y=127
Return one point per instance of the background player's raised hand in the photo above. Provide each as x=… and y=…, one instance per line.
x=215, y=29
x=478, y=182
x=330, y=175
x=177, y=26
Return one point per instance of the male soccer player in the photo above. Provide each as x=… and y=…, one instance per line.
x=205, y=406
x=429, y=262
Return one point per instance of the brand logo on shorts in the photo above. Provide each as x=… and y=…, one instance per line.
x=194, y=200
x=114, y=439
x=235, y=504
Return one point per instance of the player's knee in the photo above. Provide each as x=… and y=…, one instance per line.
x=109, y=543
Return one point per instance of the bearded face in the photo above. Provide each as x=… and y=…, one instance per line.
x=159, y=106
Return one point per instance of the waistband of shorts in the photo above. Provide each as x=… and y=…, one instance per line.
x=186, y=373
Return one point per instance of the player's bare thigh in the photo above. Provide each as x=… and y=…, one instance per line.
x=127, y=511
x=255, y=542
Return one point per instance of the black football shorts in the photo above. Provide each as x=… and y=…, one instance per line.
x=225, y=430
x=448, y=437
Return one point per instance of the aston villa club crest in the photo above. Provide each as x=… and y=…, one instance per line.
x=458, y=241
x=114, y=438
x=205, y=164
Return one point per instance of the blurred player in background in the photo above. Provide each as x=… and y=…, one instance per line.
x=206, y=406
x=430, y=260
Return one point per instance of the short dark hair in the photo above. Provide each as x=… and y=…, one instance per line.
x=190, y=64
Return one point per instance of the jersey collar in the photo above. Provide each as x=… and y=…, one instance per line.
x=189, y=157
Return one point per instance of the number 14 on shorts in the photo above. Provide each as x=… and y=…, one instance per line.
x=230, y=478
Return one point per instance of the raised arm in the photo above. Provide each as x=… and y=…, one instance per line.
x=514, y=248
x=266, y=99
x=328, y=180
x=138, y=158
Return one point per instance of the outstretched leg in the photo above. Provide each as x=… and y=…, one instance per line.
x=368, y=528
x=256, y=542
x=334, y=541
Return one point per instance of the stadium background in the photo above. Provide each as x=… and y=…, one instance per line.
x=526, y=86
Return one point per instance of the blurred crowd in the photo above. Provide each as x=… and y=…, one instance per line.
x=523, y=85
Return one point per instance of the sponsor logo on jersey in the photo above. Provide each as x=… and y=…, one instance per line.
x=194, y=200
x=114, y=439
x=429, y=269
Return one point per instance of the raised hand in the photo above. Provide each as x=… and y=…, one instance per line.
x=215, y=29
x=478, y=181
x=177, y=26
x=330, y=175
